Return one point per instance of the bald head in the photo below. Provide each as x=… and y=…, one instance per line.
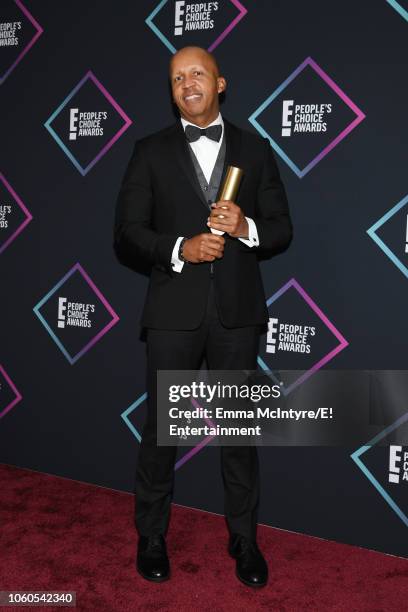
x=195, y=52
x=196, y=84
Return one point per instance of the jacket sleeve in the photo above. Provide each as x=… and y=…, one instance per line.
x=272, y=216
x=135, y=238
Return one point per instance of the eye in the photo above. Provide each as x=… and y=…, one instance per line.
x=177, y=78
x=198, y=72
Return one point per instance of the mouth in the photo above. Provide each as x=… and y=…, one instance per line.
x=195, y=97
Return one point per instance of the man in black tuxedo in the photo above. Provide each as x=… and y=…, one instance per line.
x=205, y=297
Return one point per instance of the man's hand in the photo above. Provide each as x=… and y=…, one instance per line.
x=203, y=247
x=228, y=217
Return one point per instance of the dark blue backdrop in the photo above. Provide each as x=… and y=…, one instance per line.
x=76, y=416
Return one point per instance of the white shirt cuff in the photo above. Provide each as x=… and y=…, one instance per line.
x=176, y=263
x=253, y=238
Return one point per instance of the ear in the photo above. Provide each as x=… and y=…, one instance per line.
x=221, y=84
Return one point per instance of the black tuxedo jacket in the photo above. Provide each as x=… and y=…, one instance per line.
x=160, y=199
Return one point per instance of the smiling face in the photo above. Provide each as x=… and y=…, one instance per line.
x=196, y=84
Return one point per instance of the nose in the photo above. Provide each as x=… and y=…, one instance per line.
x=188, y=82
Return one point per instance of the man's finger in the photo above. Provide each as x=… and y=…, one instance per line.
x=223, y=204
x=223, y=220
x=220, y=215
x=211, y=246
x=214, y=240
x=217, y=213
x=207, y=257
x=218, y=253
x=223, y=227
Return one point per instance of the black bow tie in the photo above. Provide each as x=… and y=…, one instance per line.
x=213, y=132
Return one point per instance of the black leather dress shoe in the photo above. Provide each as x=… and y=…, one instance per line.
x=251, y=566
x=152, y=560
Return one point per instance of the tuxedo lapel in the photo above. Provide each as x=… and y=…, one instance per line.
x=233, y=148
x=183, y=157
x=179, y=147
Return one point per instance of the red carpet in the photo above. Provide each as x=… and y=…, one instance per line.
x=60, y=534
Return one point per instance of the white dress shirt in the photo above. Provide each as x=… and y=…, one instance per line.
x=206, y=152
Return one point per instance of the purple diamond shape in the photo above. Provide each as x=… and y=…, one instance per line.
x=17, y=398
x=28, y=215
x=293, y=284
x=372, y=232
x=356, y=456
x=325, y=77
x=28, y=46
x=198, y=447
x=190, y=454
x=127, y=122
x=242, y=11
x=74, y=358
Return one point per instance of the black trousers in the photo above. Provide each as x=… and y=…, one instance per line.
x=223, y=348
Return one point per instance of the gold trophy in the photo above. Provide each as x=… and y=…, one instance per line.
x=229, y=189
